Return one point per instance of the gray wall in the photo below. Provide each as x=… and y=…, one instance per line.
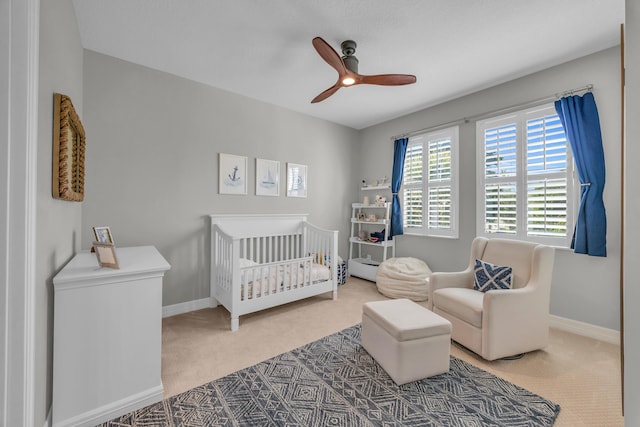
x=58, y=222
x=631, y=215
x=153, y=141
x=584, y=288
x=152, y=170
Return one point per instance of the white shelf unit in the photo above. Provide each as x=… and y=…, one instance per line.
x=366, y=267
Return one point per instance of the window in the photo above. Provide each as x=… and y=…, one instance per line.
x=525, y=178
x=430, y=184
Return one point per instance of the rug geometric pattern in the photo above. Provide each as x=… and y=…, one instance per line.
x=335, y=382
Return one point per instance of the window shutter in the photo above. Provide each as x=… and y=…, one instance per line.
x=440, y=160
x=500, y=163
x=501, y=208
x=524, y=177
x=546, y=145
x=429, y=184
x=500, y=151
x=412, y=186
x=546, y=182
x=440, y=207
x=547, y=208
x=412, y=207
x=413, y=165
x=439, y=184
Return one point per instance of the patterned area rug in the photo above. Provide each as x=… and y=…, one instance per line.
x=335, y=382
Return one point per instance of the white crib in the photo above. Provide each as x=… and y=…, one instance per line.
x=262, y=261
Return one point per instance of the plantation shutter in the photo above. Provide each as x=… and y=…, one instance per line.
x=430, y=184
x=500, y=168
x=546, y=177
x=525, y=183
x=412, y=186
x=439, y=184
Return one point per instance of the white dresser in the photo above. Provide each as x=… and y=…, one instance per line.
x=107, y=336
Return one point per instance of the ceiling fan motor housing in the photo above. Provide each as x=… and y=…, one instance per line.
x=348, y=50
x=351, y=62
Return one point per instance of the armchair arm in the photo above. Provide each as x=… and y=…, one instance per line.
x=517, y=320
x=513, y=321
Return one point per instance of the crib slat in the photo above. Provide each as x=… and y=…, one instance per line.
x=278, y=279
x=280, y=242
x=266, y=242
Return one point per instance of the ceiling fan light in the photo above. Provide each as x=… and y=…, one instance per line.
x=348, y=81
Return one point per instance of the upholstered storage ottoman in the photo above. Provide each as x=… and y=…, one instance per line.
x=407, y=340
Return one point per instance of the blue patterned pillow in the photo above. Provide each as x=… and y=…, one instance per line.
x=489, y=276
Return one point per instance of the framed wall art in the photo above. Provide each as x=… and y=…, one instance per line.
x=267, y=177
x=232, y=174
x=296, y=180
x=68, y=151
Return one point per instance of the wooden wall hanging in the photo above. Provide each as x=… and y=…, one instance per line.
x=68, y=151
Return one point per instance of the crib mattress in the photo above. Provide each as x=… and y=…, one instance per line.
x=269, y=280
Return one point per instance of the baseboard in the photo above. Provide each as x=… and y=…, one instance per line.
x=185, y=307
x=114, y=409
x=610, y=336
x=47, y=421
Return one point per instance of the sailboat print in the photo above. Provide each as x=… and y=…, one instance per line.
x=268, y=181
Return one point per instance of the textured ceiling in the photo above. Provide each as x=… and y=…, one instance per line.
x=262, y=49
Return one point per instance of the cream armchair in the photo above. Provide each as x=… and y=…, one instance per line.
x=498, y=323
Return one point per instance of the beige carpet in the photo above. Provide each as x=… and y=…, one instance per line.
x=580, y=374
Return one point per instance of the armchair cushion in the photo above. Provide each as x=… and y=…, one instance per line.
x=462, y=303
x=488, y=276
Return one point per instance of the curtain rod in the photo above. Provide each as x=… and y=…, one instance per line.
x=556, y=96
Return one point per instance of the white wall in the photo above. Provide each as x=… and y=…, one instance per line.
x=584, y=288
x=631, y=214
x=58, y=222
x=153, y=141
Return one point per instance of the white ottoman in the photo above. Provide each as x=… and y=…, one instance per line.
x=407, y=340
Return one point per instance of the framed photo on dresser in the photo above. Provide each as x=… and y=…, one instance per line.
x=103, y=235
x=106, y=254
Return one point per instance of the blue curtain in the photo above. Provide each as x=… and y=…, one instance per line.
x=579, y=116
x=399, y=151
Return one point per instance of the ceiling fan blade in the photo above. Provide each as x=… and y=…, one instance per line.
x=329, y=55
x=388, y=79
x=327, y=93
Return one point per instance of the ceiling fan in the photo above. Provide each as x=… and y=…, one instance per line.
x=347, y=68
